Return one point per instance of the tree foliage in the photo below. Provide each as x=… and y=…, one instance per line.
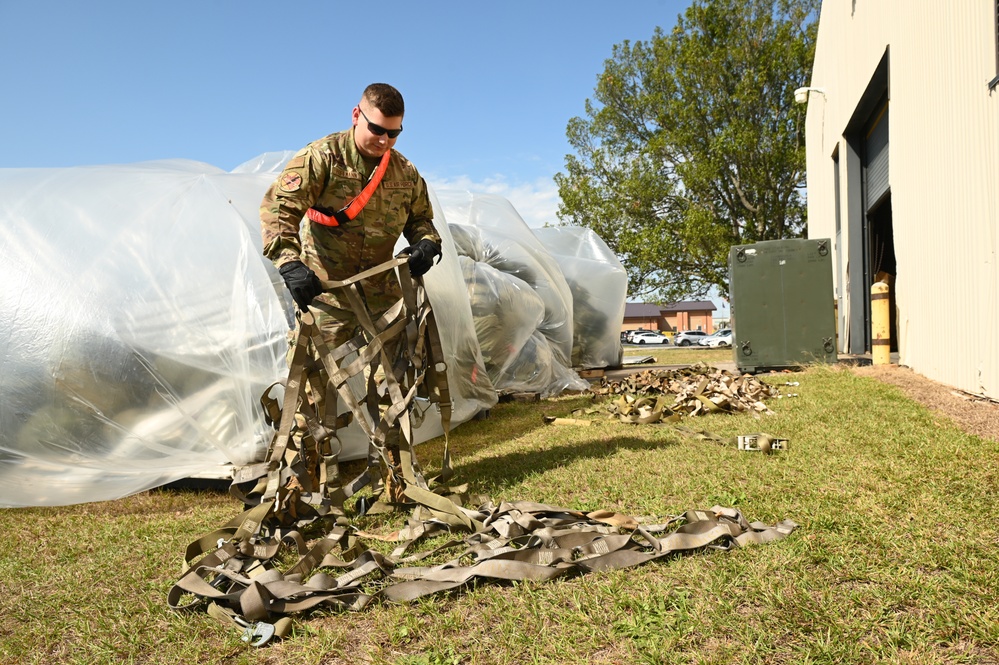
x=693, y=143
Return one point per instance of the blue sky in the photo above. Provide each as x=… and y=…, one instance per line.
x=489, y=87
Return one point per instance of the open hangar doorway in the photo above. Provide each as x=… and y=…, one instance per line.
x=870, y=252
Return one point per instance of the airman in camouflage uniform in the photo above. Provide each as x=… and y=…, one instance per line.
x=327, y=175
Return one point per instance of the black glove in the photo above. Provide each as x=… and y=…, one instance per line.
x=302, y=282
x=421, y=256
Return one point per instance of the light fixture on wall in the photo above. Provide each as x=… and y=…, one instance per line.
x=801, y=94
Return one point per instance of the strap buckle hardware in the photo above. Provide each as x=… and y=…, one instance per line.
x=256, y=634
x=761, y=443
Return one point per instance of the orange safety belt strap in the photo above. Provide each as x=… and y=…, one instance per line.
x=327, y=218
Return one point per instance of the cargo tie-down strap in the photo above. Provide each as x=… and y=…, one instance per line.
x=297, y=504
x=669, y=395
x=240, y=580
x=398, y=357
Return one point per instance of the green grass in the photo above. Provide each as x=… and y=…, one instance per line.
x=895, y=558
x=677, y=355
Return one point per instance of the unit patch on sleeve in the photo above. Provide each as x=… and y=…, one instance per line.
x=290, y=182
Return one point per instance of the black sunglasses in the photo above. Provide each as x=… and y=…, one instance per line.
x=378, y=130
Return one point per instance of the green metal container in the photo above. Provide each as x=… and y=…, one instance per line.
x=782, y=304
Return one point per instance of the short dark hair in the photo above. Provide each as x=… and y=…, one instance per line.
x=386, y=99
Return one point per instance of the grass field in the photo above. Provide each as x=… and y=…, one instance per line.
x=895, y=558
x=674, y=355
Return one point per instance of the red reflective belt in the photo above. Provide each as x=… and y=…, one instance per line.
x=356, y=205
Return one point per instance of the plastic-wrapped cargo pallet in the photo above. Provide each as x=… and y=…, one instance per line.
x=139, y=322
x=139, y=325
x=510, y=276
x=599, y=286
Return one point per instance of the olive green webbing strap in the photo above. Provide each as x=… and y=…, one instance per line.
x=318, y=444
x=369, y=355
x=426, y=345
x=398, y=321
x=379, y=346
x=515, y=541
x=235, y=572
x=293, y=389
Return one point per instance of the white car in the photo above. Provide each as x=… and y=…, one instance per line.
x=628, y=335
x=717, y=339
x=688, y=337
x=649, y=337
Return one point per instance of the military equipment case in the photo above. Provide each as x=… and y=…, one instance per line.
x=782, y=304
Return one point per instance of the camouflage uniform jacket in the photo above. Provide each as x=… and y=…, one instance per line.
x=329, y=173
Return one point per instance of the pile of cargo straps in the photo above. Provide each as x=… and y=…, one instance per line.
x=398, y=357
x=294, y=549
x=672, y=394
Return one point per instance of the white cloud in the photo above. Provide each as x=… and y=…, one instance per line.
x=537, y=201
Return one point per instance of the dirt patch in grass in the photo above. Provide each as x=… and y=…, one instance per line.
x=972, y=414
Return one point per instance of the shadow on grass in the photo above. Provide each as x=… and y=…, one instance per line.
x=508, y=421
x=511, y=468
x=504, y=422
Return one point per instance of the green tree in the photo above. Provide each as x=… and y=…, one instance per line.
x=694, y=144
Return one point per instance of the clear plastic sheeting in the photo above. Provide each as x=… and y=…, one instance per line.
x=268, y=162
x=512, y=274
x=139, y=325
x=506, y=312
x=599, y=286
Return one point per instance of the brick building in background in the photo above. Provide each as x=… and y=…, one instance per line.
x=686, y=315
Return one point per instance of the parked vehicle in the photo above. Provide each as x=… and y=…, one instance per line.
x=717, y=339
x=631, y=334
x=626, y=334
x=688, y=337
x=649, y=337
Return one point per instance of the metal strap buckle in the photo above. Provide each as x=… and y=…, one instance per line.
x=761, y=443
x=256, y=634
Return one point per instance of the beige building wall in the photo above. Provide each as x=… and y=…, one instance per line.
x=944, y=173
